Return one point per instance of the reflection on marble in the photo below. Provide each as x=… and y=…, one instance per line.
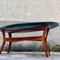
x=29, y=56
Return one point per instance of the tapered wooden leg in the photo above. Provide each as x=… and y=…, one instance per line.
x=45, y=47
x=45, y=34
x=2, y=46
x=9, y=46
x=46, y=42
x=3, y=35
x=9, y=43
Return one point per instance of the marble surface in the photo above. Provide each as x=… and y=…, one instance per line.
x=28, y=25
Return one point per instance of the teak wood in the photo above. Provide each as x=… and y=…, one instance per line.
x=42, y=38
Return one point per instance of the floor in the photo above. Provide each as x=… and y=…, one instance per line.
x=29, y=56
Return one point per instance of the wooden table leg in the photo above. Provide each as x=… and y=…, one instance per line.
x=46, y=42
x=2, y=46
x=3, y=33
x=45, y=34
x=45, y=48
x=9, y=42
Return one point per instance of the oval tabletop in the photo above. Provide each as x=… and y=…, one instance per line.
x=21, y=26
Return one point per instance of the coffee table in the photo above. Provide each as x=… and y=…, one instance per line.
x=27, y=27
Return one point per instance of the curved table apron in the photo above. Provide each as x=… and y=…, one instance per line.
x=28, y=27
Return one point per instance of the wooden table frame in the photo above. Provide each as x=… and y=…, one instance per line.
x=34, y=38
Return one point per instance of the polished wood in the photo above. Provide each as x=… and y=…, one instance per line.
x=42, y=38
x=10, y=42
x=44, y=41
x=34, y=38
x=3, y=34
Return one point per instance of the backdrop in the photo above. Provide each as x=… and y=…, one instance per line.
x=30, y=10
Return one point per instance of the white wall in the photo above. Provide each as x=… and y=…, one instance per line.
x=30, y=10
